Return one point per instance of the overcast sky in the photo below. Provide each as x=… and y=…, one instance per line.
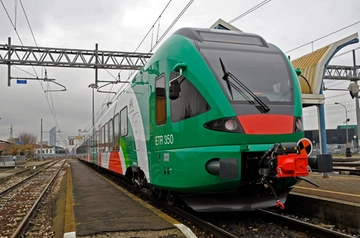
x=121, y=25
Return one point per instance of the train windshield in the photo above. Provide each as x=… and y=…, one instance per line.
x=266, y=74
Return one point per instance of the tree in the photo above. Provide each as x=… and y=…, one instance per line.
x=23, y=149
x=27, y=138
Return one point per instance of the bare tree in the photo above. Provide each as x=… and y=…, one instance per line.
x=27, y=138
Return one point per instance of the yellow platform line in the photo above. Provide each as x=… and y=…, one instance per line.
x=327, y=191
x=69, y=229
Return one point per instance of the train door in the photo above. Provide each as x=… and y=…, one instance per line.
x=158, y=121
x=135, y=124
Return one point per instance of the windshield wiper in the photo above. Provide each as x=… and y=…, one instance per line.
x=226, y=77
x=264, y=108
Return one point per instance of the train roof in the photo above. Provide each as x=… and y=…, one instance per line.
x=206, y=35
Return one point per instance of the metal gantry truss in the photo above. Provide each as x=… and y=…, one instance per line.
x=342, y=72
x=73, y=58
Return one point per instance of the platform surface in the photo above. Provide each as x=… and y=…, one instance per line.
x=99, y=206
x=342, y=188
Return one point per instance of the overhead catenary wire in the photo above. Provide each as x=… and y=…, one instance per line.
x=250, y=10
x=334, y=32
x=51, y=102
x=172, y=24
x=154, y=46
x=50, y=105
x=12, y=23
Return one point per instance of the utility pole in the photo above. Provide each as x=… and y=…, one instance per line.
x=55, y=140
x=11, y=134
x=356, y=103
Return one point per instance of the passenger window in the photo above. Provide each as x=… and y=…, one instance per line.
x=116, y=131
x=123, y=122
x=111, y=135
x=106, y=137
x=190, y=102
x=160, y=104
x=96, y=141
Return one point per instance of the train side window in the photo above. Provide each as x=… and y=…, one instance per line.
x=123, y=122
x=96, y=141
x=99, y=140
x=116, y=131
x=91, y=142
x=102, y=138
x=160, y=103
x=190, y=102
x=106, y=137
x=111, y=135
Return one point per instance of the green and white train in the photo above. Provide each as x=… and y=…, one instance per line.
x=213, y=117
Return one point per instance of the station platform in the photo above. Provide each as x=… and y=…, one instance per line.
x=335, y=188
x=336, y=201
x=6, y=172
x=99, y=207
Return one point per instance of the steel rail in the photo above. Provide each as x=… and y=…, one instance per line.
x=298, y=225
x=4, y=192
x=20, y=229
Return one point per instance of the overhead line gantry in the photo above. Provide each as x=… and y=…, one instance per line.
x=73, y=58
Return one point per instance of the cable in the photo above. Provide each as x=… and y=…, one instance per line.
x=157, y=42
x=324, y=36
x=151, y=28
x=250, y=10
x=32, y=33
x=172, y=24
x=12, y=23
x=52, y=108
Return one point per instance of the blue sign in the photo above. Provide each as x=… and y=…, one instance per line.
x=19, y=142
x=21, y=81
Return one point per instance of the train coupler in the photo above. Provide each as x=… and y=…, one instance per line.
x=280, y=205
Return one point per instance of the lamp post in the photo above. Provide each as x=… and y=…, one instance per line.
x=348, y=152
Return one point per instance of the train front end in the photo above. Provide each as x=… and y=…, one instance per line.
x=243, y=152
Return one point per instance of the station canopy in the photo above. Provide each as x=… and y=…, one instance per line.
x=313, y=67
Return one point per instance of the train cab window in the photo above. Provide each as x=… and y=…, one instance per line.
x=123, y=122
x=111, y=135
x=190, y=102
x=106, y=137
x=160, y=105
x=116, y=131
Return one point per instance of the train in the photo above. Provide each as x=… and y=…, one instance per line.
x=214, y=118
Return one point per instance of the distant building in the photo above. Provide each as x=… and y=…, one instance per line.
x=46, y=150
x=336, y=138
x=4, y=146
x=52, y=136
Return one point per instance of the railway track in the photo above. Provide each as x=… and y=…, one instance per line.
x=19, y=203
x=308, y=228
x=214, y=224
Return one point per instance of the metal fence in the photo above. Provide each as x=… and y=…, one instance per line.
x=12, y=160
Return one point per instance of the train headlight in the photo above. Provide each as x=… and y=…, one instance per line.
x=299, y=126
x=230, y=124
